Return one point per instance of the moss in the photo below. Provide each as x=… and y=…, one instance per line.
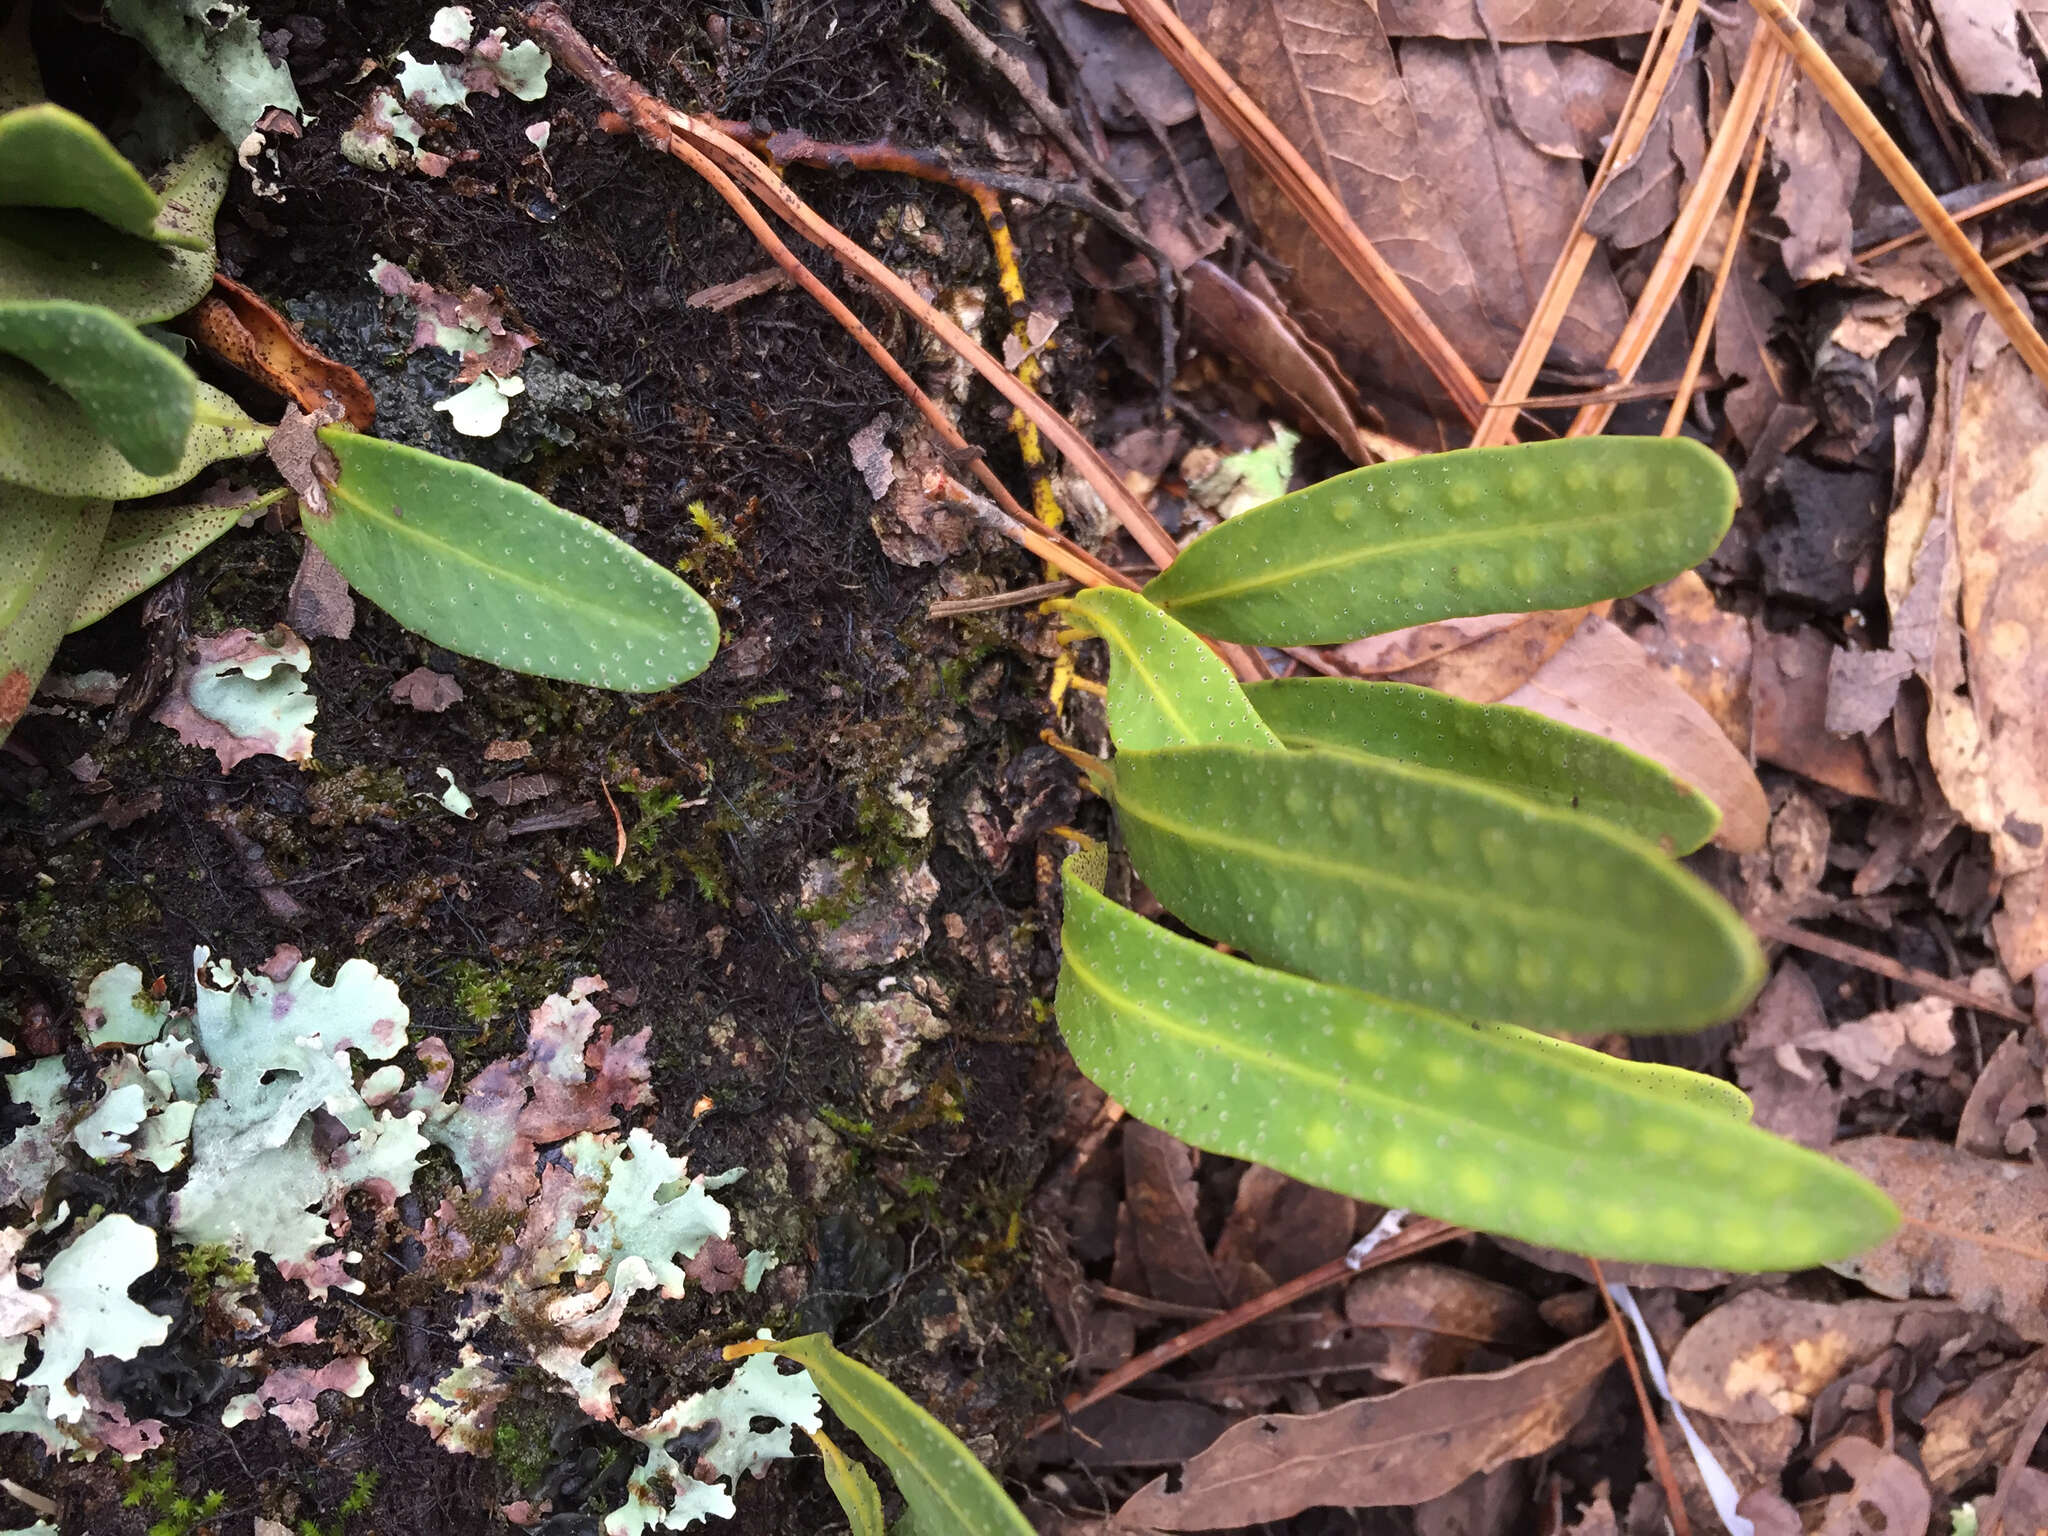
x=210, y=1266
x=522, y=1435
x=480, y=995
x=350, y=798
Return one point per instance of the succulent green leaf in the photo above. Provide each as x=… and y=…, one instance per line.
x=1712, y=1094
x=1432, y=889
x=61, y=254
x=1480, y=530
x=53, y=158
x=1498, y=744
x=1166, y=687
x=1403, y=1106
x=946, y=1488
x=135, y=393
x=47, y=548
x=143, y=545
x=853, y=1488
x=48, y=443
x=490, y=569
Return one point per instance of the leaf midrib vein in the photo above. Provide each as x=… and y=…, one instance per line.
x=1461, y=897
x=1441, y=541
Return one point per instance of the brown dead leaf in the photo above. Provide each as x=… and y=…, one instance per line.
x=1984, y=47
x=1494, y=666
x=721, y=296
x=1788, y=694
x=1985, y=466
x=1125, y=1431
x=1976, y=1231
x=1279, y=1228
x=319, y=604
x=1435, y=1316
x=1424, y=154
x=1518, y=21
x=1889, y=1497
x=1995, y=1120
x=426, y=690
x=1399, y=649
x=238, y=327
x=1762, y=1356
x=1223, y=313
x=1793, y=1101
x=1159, y=1193
x=1404, y=1448
x=1782, y=882
x=1818, y=161
x=1641, y=1277
x=1966, y=1435
x=1486, y=1504
x=1876, y=1051
x=1702, y=648
x=1642, y=195
x=301, y=458
x=519, y=788
x=1603, y=682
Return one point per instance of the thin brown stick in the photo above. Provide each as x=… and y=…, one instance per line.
x=1703, y=334
x=1050, y=117
x=1689, y=229
x=1883, y=965
x=1424, y=1235
x=1638, y=112
x=1914, y=192
x=663, y=127
x=1616, y=394
x=1016, y=597
x=1660, y=1454
x=1318, y=204
x=1975, y=210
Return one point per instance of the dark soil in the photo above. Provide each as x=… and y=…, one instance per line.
x=786, y=759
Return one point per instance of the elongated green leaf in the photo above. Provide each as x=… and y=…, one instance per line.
x=59, y=254
x=1498, y=744
x=490, y=569
x=1480, y=530
x=48, y=444
x=52, y=158
x=1432, y=889
x=1398, y=1105
x=144, y=545
x=853, y=1488
x=47, y=545
x=135, y=393
x=1166, y=688
x=946, y=1488
x=1712, y=1094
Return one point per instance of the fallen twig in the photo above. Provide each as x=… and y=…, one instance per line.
x=1746, y=108
x=1424, y=1235
x=1703, y=332
x=1660, y=1454
x=1638, y=112
x=1866, y=959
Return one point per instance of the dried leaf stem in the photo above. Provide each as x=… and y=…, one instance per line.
x=1746, y=105
x=1638, y=112
x=1883, y=965
x=1703, y=334
x=1660, y=1454
x=1309, y=193
x=1913, y=191
x=1420, y=1237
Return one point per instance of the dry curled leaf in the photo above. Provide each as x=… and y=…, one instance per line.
x=427, y=690
x=1404, y=1448
x=1762, y=1356
x=1966, y=1435
x=1976, y=1231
